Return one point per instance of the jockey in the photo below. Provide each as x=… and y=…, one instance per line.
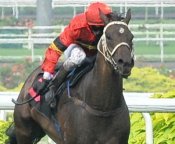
x=77, y=41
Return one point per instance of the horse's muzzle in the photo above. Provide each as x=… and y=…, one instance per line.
x=125, y=69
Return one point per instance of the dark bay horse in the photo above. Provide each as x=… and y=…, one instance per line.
x=96, y=112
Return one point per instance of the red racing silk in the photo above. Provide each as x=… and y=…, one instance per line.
x=77, y=30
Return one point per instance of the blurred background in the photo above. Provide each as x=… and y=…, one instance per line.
x=27, y=27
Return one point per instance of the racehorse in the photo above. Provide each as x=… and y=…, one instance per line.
x=95, y=112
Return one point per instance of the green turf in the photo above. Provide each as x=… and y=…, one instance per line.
x=143, y=48
x=20, y=51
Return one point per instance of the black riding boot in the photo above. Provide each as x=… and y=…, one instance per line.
x=53, y=86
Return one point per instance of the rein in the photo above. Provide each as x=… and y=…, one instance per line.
x=107, y=54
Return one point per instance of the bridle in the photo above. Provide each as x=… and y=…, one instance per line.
x=108, y=55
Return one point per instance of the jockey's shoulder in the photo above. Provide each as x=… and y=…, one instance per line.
x=79, y=21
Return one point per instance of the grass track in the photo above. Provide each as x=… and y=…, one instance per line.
x=141, y=48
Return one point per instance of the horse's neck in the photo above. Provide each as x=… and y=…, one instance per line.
x=104, y=86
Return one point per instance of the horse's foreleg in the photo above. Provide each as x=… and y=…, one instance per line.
x=23, y=137
x=26, y=129
x=47, y=126
x=28, y=134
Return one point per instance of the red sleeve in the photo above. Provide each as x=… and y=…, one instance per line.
x=70, y=34
x=50, y=61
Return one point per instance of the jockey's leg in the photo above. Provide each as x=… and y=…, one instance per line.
x=74, y=56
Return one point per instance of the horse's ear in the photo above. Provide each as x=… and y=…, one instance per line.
x=128, y=16
x=103, y=17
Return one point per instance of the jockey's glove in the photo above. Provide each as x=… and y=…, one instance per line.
x=47, y=76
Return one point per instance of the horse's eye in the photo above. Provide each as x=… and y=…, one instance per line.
x=108, y=37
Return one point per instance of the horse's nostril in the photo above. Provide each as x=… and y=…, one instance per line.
x=120, y=61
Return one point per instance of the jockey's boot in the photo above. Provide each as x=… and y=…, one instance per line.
x=59, y=77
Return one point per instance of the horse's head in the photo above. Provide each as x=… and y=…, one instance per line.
x=116, y=43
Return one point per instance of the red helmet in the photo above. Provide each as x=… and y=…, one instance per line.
x=93, y=14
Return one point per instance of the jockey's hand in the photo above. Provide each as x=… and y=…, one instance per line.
x=40, y=84
x=47, y=76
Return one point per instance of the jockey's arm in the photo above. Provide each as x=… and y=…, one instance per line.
x=55, y=50
x=52, y=54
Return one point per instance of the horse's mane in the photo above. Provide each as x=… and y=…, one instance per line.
x=115, y=16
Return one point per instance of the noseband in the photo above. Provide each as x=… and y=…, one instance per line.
x=108, y=55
